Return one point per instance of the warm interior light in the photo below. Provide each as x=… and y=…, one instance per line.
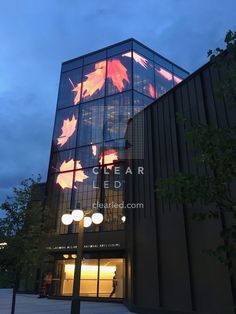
x=65, y=256
x=77, y=214
x=68, y=129
x=123, y=218
x=74, y=256
x=97, y=218
x=87, y=222
x=67, y=219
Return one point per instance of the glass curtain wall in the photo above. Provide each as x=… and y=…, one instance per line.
x=98, y=94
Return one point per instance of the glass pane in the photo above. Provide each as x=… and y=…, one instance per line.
x=111, y=278
x=144, y=51
x=87, y=188
x=89, y=155
x=59, y=198
x=164, y=80
x=89, y=278
x=119, y=74
x=67, y=278
x=64, y=136
x=90, y=129
x=143, y=75
x=163, y=62
x=140, y=102
x=71, y=65
x=57, y=159
x=119, y=48
x=70, y=88
x=177, y=79
x=95, y=57
x=93, y=85
x=118, y=111
x=180, y=73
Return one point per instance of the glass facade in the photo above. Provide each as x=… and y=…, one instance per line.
x=98, y=94
x=96, y=99
x=103, y=277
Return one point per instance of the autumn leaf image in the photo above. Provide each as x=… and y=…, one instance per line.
x=139, y=59
x=151, y=90
x=177, y=79
x=94, y=150
x=68, y=129
x=108, y=157
x=77, y=90
x=95, y=80
x=65, y=179
x=164, y=73
x=117, y=72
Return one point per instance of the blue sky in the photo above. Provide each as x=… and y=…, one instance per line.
x=37, y=36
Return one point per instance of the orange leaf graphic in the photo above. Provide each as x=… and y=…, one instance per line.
x=68, y=128
x=117, y=72
x=95, y=80
x=94, y=150
x=65, y=179
x=139, y=59
x=151, y=90
x=166, y=74
x=76, y=89
x=110, y=155
x=177, y=79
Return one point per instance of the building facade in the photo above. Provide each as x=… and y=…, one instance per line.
x=170, y=271
x=98, y=94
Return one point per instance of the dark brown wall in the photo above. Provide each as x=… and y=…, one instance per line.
x=166, y=266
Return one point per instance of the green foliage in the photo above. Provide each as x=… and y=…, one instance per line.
x=215, y=150
x=22, y=229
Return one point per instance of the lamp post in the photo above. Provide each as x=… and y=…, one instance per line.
x=84, y=222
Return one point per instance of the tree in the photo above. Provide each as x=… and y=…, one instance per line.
x=23, y=229
x=216, y=152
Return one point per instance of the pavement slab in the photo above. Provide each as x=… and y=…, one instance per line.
x=31, y=304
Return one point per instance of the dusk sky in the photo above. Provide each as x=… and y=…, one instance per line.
x=37, y=36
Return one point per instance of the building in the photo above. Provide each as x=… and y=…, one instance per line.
x=98, y=94
x=168, y=269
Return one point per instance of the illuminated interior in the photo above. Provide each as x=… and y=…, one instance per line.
x=97, y=277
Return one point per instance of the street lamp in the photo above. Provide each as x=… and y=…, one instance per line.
x=84, y=222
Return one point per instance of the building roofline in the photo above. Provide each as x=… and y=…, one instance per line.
x=120, y=43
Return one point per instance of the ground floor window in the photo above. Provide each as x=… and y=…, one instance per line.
x=102, y=277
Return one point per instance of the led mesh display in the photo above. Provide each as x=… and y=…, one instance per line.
x=95, y=103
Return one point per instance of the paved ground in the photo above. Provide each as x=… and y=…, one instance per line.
x=30, y=304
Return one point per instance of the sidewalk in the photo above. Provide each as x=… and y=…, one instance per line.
x=30, y=304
